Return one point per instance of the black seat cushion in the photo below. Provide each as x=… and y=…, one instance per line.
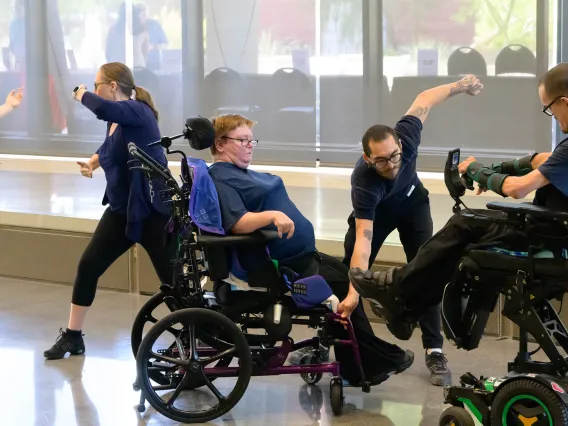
x=499, y=262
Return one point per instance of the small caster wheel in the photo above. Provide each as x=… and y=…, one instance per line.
x=310, y=378
x=366, y=387
x=336, y=396
x=141, y=408
x=136, y=387
x=456, y=416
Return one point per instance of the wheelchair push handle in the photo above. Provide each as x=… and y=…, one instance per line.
x=154, y=168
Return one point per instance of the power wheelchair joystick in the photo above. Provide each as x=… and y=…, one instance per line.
x=452, y=179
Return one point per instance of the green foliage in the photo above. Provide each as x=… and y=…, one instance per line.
x=499, y=23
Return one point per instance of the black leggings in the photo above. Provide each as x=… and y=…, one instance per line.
x=109, y=242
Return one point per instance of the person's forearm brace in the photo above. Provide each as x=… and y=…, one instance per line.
x=487, y=177
x=518, y=167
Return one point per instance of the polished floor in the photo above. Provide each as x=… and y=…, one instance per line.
x=96, y=389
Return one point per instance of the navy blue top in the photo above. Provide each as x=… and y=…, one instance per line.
x=368, y=188
x=128, y=192
x=242, y=190
x=555, y=169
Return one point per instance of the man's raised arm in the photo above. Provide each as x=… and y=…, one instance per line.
x=421, y=106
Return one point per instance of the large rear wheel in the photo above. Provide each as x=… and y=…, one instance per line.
x=188, y=362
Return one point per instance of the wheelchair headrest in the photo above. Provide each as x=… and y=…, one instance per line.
x=200, y=132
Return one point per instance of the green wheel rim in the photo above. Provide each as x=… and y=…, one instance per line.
x=529, y=397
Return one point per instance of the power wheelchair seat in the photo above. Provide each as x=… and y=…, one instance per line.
x=220, y=335
x=531, y=392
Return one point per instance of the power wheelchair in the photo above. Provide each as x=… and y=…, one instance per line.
x=222, y=337
x=531, y=393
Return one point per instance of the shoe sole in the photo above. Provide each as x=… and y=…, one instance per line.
x=401, y=334
x=377, y=380
x=376, y=304
x=52, y=358
x=407, y=365
x=441, y=382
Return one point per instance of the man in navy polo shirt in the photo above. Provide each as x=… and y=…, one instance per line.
x=387, y=195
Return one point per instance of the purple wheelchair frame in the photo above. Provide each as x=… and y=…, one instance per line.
x=277, y=357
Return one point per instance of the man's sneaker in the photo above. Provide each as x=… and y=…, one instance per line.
x=440, y=374
x=376, y=287
x=296, y=356
x=66, y=343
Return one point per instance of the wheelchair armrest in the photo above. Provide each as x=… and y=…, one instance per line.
x=529, y=209
x=254, y=238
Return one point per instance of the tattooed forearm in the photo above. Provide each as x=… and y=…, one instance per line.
x=418, y=111
x=368, y=234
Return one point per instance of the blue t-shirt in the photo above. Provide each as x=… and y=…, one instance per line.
x=243, y=190
x=555, y=169
x=368, y=188
x=128, y=192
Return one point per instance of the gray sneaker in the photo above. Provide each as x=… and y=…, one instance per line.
x=295, y=357
x=440, y=374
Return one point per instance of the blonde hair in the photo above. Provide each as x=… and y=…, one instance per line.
x=225, y=123
x=121, y=74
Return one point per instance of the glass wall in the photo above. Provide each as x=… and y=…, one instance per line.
x=314, y=74
x=12, y=70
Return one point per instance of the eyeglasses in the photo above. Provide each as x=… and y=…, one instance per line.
x=382, y=163
x=102, y=82
x=244, y=141
x=547, y=110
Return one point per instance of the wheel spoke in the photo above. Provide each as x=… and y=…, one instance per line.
x=161, y=368
x=192, y=343
x=213, y=389
x=162, y=387
x=151, y=319
x=209, y=360
x=175, y=361
x=182, y=384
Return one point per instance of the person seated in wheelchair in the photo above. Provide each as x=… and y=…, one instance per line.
x=399, y=292
x=250, y=201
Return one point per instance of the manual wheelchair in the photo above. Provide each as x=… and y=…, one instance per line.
x=213, y=336
x=531, y=393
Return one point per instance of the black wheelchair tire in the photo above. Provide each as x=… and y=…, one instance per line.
x=558, y=410
x=187, y=315
x=138, y=330
x=456, y=416
x=310, y=378
x=336, y=396
x=142, y=318
x=136, y=334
